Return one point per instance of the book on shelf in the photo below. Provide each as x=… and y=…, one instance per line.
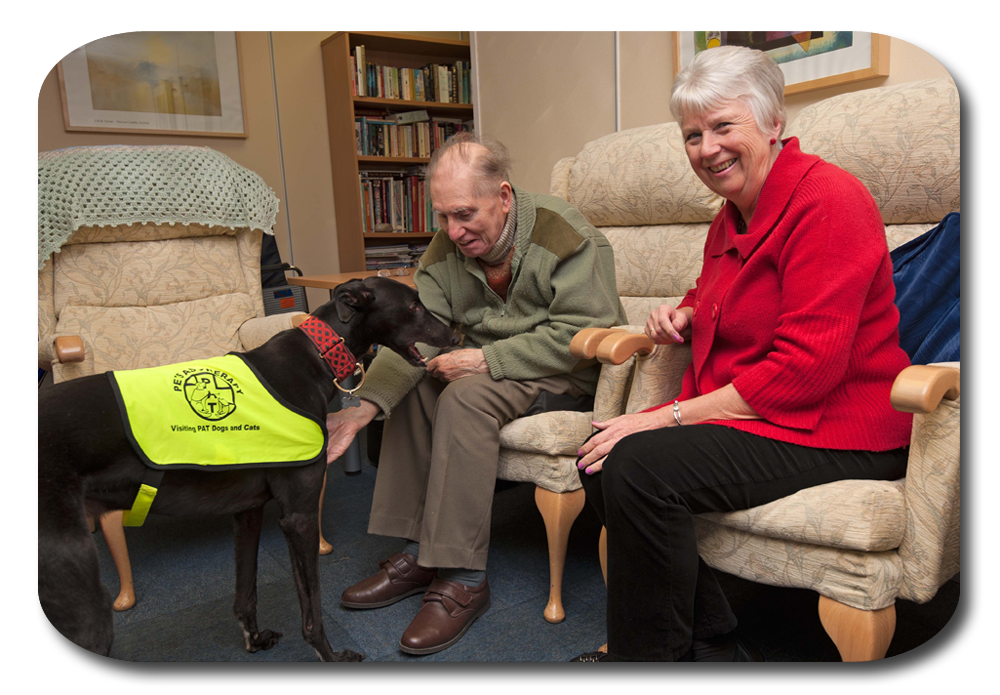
x=411, y=117
x=394, y=256
x=395, y=200
x=433, y=82
x=384, y=137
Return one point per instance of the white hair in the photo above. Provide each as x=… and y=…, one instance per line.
x=490, y=161
x=720, y=75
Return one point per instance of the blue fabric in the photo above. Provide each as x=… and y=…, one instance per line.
x=927, y=275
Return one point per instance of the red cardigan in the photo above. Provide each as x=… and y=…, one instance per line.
x=798, y=314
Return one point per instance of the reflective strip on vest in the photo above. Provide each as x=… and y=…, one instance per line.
x=136, y=516
x=213, y=413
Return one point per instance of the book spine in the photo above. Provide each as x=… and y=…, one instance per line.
x=362, y=70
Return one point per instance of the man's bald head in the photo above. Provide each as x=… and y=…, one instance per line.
x=485, y=159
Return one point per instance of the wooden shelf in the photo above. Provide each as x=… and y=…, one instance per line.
x=402, y=43
x=366, y=159
x=382, y=48
x=397, y=235
x=406, y=105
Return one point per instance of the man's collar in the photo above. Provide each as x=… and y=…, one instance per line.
x=501, y=249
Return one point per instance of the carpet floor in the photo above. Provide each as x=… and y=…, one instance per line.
x=184, y=581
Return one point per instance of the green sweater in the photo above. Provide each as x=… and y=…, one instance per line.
x=563, y=280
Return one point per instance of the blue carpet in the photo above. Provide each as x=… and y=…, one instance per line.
x=184, y=580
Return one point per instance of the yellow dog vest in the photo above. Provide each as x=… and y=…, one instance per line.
x=211, y=414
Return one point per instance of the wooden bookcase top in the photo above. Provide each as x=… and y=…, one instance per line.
x=404, y=43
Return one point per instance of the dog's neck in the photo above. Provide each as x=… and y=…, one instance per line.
x=331, y=347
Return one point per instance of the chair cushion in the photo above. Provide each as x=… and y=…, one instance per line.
x=137, y=337
x=868, y=515
x=541, y=449
x=558, y=433
x=657, y=260
x=902, y=141
x=150, y=273
x=639, y=176
x=867, y=581
x=554, y=473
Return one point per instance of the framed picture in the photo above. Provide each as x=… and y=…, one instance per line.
x=810, y=59
x=156, y=82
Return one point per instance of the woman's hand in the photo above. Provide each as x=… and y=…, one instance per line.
x=596, y=449
x=343, y=425
x=668, y=325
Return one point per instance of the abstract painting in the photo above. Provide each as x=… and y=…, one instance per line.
x=809, y=59
x=155, y=81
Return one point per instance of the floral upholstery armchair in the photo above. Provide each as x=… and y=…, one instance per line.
x=128, y=280
x=859, y=544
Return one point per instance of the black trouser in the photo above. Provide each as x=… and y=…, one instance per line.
x=661, y=594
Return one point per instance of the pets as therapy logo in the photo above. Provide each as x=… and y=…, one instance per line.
x=210, y=393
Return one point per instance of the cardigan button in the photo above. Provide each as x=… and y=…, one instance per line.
x=715, y=311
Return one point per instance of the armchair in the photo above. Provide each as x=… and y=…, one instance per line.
x=168, y=276
x=860, y=545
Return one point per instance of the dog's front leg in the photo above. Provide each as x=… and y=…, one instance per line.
x=301, y=531
x=247, y=527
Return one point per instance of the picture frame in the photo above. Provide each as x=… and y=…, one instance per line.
x=156, y=83
x=825, y=61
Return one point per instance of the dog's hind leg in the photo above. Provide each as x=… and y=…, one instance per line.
x=246, y=527
x=70, y=590
x=301, y=531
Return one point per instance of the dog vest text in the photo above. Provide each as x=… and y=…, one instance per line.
x=213, y=414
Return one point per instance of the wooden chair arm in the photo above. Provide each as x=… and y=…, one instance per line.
x=617, y=348
x=69, y=348
x=298, y=319
x=919, y=388
x=584, y=344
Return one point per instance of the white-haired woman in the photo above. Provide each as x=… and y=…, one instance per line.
x=795, y=346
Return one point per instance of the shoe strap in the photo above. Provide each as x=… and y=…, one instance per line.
x=441, y=588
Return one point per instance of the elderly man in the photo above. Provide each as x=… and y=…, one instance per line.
x=518, y=274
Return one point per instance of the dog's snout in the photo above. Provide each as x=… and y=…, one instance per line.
x=455, y=340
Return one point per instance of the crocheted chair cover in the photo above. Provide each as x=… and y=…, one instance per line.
x=121, y=184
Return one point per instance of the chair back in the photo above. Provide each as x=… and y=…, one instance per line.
x=902, y=142
x=144, y=295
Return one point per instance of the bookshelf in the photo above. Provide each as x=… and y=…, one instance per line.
x=344, y=105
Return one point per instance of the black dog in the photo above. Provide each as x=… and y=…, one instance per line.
x=87, y=466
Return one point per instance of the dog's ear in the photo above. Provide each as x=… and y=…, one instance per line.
x=352, y=297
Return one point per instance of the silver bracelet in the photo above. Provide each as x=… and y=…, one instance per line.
x=677, y=412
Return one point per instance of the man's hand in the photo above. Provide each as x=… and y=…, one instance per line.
x=454, y=365
x=344, y=425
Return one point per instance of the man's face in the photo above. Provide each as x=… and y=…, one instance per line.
x=472, y=222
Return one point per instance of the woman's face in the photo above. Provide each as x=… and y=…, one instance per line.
x=729, y=153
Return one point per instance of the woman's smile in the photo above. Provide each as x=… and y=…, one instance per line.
x=719, y=168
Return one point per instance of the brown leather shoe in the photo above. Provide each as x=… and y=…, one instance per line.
x=448, y=610
x=400, y=576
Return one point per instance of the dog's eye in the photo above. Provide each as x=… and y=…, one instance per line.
x=415, y=307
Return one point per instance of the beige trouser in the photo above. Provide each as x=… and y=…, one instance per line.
x=438, y=464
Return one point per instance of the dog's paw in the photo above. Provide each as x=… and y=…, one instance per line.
x=348, y=655
x=265, y=639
